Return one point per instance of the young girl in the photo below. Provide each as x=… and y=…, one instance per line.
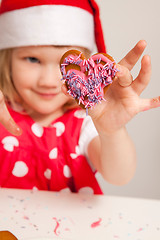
x=46, y=141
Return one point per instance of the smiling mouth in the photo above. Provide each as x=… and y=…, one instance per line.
x=47, y=95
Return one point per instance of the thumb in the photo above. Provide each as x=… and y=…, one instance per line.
x=6, y=120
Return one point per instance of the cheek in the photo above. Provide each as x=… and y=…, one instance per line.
x=21, y=77
x=19, y=81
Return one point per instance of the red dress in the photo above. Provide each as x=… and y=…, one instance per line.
x=46, y=158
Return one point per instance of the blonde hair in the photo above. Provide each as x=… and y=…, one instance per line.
x=6, y=84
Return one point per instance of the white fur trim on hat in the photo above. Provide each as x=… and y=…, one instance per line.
x=47, y=25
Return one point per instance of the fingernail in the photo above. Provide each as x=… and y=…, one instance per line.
x=119, y=73
x=118, y=69
x=157, y=99
x=16, y=129
x=19, y=131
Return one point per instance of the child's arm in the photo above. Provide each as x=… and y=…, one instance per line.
x=113, y=153
x=6, y=120
x=114, y=156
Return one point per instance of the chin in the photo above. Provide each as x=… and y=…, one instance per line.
x=46, y=110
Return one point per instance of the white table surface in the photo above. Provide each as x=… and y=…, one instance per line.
x=50, y=215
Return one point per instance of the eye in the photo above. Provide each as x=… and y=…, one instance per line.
x=32, y=59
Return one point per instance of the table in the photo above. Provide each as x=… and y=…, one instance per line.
x=33, y=214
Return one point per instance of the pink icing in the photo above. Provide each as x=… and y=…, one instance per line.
x=88, y=90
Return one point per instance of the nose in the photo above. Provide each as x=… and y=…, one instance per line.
x=50, y=77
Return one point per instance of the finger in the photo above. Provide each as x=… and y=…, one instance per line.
x=124, y=76
x=133, y=56
x=6, y=120
x=144, y=75
x=147, y=104
x=64, y=89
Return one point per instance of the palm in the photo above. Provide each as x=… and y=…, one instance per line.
x=117, y=110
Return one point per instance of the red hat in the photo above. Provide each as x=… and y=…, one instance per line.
x=50, y=22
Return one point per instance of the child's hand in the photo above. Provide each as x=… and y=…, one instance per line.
x=122, y=98
x=6, y=120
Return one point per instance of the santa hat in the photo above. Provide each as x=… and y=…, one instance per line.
x=50, y=22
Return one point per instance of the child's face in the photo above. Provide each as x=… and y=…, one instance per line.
x=37, y=78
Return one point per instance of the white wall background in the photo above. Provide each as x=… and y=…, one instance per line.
x=124, y=23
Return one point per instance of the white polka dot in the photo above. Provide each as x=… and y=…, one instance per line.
x=53, y=153
x=34, y=189
x=20, y=169
x=67, y=171
x=86, y=190
x=47, y=173
x=65, y=190
x=80, y=114
x=60, y=128
x=73, y=155
x=9, y=143
x=37, y=129
x=76, y=154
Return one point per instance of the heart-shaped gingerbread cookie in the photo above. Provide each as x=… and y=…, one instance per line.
x=86, y=79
